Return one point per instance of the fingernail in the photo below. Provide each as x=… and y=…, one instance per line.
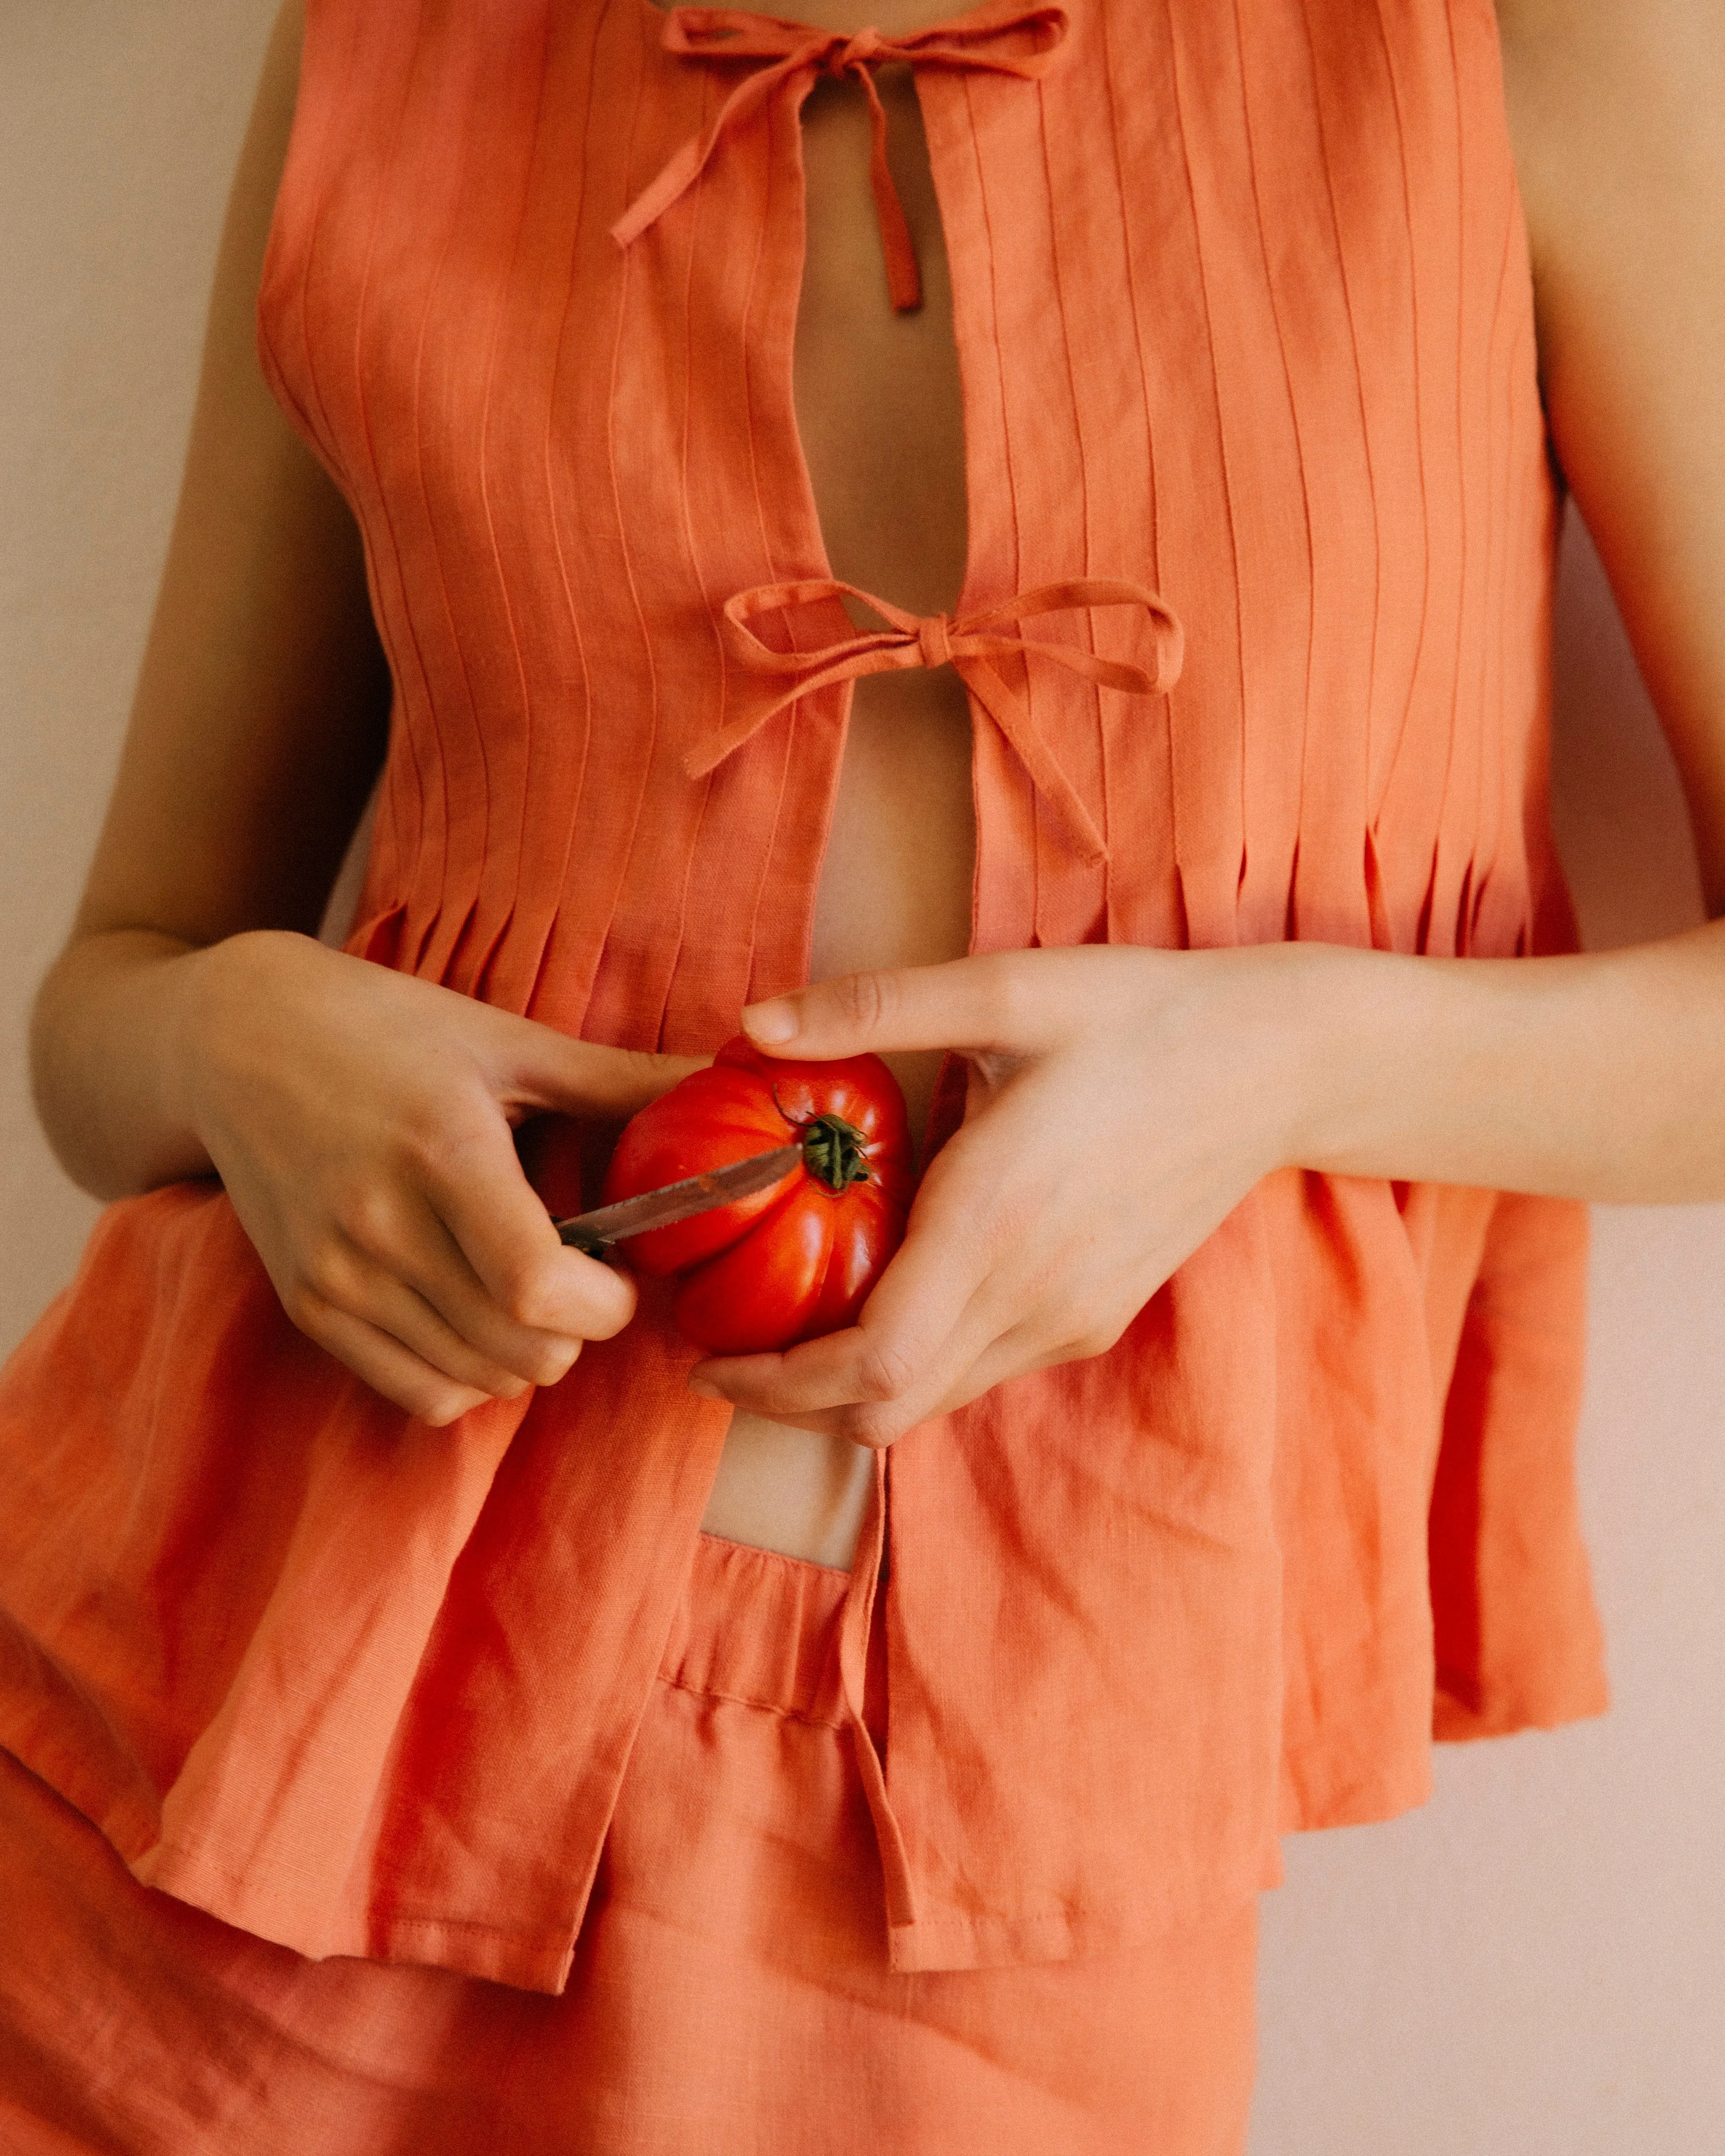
x=703, y=1391
x=770, y=1022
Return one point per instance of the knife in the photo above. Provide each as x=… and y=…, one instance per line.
x=595, y=1232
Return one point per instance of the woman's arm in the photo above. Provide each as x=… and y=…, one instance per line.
x=257, y=729
x=1617, y=108
x=1600, y=1078
x=1124, y=1101
x=360, y=1120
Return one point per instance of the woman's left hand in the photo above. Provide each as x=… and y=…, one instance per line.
x=1122, y=1101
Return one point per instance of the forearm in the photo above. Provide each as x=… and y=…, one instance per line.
x=108, y=1061
x=1598, y=1077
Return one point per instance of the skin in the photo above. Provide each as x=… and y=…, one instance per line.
x=361, y=1121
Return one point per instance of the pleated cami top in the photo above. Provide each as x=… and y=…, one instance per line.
x=1244, y=318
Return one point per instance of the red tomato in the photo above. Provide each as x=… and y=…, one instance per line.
x=795, y=1260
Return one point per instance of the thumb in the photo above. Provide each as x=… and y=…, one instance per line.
x=968, y=1003
x=547, y=1069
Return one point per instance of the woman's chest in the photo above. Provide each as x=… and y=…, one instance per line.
x=1203, y=251
x=1239, y=312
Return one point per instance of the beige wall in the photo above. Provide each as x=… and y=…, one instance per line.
x=1536, y=1963
x=119, y=119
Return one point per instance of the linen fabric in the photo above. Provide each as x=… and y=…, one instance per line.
x=1244, y=322
x=729, y=1992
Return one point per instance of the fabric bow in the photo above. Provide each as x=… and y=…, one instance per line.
x=969, y=645
x=1007, y=38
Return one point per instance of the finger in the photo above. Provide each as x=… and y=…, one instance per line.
x=505, y=1235
x=381, y=1362
x=753, y=1383
x=541, y=1068
x=393, y=1306
x=975, y=1003
x=884, y=1356
x=437, y=1270
x=807, y=1379
x=766, y=1392
x=869, y=1386
x=433, y=1300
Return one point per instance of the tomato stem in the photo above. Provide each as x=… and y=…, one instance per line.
x=833, y=1152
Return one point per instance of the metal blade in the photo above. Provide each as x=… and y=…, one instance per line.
x=595, y=1232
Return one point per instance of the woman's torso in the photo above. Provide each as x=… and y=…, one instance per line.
x=1219, y=357
x=1242, y=309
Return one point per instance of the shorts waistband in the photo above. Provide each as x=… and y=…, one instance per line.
x=761, y=1629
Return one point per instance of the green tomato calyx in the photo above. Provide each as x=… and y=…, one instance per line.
x=833, y=1152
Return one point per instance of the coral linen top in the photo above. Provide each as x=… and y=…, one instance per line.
x=1243, y=312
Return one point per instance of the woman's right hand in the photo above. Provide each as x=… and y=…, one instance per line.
x=361, y=1121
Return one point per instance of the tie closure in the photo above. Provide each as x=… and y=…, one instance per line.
x=969, y=645
x=1009, y=39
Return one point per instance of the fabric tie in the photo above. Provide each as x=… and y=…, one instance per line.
x=969, y=645
x=1008, y=38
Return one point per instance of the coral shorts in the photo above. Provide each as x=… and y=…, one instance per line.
x=730, y=1991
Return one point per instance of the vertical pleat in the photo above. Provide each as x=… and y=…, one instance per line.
x=1365, y=160
x=1481, y=258
x=1408, y=815
x=564, y=230
x=1090, y=266
x=416, y=338
x=623, y=129
x=1144, y=905
x=1242, y=893
x=528, y=484
x=320, y=323
x=618, y=419
x=750, y=524
x=646, y=447
x=1042, y=453
x=1488, y=822
x=1006, y=903
x=1294, y=186
x=1179, y=774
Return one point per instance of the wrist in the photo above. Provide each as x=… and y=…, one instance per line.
x=1439, y=1070
x=1375, y=1037
x=209, y=1041
x=106, y=1060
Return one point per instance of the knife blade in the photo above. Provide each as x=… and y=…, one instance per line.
x=595, y=1232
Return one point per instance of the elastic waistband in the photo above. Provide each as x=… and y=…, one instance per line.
x=761, y=1629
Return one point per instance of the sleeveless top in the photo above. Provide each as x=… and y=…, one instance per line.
x=1243, y=311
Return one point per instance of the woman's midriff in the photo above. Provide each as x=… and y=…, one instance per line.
x=879, y=410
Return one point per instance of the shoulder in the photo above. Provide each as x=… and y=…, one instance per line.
x=1610, y=99
x=1573, y=36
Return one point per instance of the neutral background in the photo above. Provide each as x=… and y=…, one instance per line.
x=1533, y=1965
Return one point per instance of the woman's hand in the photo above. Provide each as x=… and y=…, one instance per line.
x=360, y=1121
x=1122, y=1102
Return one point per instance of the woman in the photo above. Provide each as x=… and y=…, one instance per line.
x=1122, y=1593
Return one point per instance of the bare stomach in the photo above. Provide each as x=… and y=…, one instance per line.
x=879, y=410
